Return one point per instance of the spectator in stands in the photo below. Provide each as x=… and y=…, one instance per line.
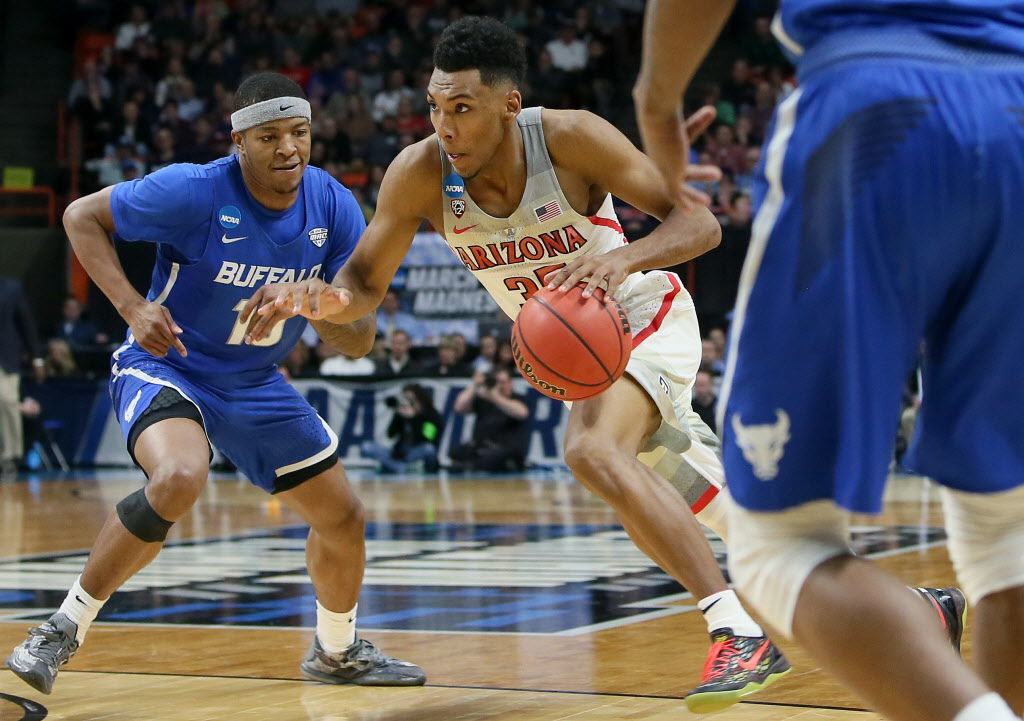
x=136, y=27
x=17, y=335
x=386, y=102
x=447, y=364
x=704, y=398
x=407, y=121
x=745, y=180
x=568, y=52
x=95, y=109
x=762, y=49
x=710, y=360
x=358, y=123
x=132, y=128
x=391, y=317
x=726, y=153
x=205, y=147
x=60, y=362
x=76, y=330
x=189, y=106
x=416, y=429
x=500, y=430
x=170, y=119
x=717, y=336
x=165, y=153
x=92, y=78
x=299, y=363
x=169, y=87
x=739, y=88
x=398, y=362
x=506, y=358
x=295, y=69
x=461, y=347
x=339, y=364
x=382, y=145
x=486, y=360
x=371, y=74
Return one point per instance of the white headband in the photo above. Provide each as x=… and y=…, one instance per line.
x=268, y=110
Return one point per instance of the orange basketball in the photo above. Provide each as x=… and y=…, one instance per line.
x=570, y=347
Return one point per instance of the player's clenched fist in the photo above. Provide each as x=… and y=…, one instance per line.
x=275, y=302
x=154, y=329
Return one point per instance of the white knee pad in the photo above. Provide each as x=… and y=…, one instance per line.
x=772, y=554
x=986, y=539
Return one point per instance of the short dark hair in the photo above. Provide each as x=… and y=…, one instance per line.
x=266, y=86
x=482, y=43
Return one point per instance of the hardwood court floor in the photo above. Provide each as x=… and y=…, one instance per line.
x=520, y=597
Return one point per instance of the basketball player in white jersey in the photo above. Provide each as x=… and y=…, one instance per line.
x=523, y=197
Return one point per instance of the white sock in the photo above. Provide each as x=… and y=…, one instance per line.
x=990, y=707
x=724, y=610
x=81, y=608
x=336, y=631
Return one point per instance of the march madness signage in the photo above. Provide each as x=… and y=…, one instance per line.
x=436, y=285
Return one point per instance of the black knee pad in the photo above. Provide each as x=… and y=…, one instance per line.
x=141, y=520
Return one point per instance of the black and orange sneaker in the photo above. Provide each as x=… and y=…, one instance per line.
x=737, y=666
x=951, y=605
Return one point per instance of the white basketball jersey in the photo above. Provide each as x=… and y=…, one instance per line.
x=510, y=256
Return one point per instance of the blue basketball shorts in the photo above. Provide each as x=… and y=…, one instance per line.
x=889, y=232
x=258, y=420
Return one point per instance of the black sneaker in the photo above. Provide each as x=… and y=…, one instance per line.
x=48, y=647
x=362, y=664
x=951, y=605
x=737, y=666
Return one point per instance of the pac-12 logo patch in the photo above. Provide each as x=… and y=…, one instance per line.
x=318, y=236
x=454, y=186
x=458, y=207
x=229, y=216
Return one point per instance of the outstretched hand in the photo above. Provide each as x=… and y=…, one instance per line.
x=276, y=302
x=667, y=143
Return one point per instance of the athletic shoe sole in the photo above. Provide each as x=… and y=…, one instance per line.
x=712, y=701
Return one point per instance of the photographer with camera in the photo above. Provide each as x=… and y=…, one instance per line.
x=500, y=433
x=416, y=427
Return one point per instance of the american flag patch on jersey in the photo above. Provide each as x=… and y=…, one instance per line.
x=547, y=211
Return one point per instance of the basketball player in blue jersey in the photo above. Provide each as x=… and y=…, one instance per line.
x=889, y=213
x=186, y=377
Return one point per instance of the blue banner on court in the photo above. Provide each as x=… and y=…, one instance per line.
x=533, y=579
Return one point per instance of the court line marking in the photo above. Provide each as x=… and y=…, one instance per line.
x=469, y=688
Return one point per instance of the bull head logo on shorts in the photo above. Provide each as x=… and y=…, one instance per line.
x=764, y=444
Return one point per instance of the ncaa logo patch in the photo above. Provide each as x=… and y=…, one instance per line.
x=454, y=186
x=318, y=236
x=458, y=207
x=229, y=216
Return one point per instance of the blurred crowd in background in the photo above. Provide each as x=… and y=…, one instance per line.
x=158, y=90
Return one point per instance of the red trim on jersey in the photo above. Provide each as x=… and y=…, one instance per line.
x=704, y=500
x=659, y=317
x=606, y=222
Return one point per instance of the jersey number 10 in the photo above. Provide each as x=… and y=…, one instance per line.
x=238, y=332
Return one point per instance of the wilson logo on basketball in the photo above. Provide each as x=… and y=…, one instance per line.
x=526, y=368
x=623, y=320
x=509, y=252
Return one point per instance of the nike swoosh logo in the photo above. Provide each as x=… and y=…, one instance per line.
x=79, y=598
x=755, y=659
x=225, y=239
x=463, y=230
x=284, y=107
x=710, y=605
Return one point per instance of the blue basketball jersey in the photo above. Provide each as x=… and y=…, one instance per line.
x=981, y=24
x=216, y=245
